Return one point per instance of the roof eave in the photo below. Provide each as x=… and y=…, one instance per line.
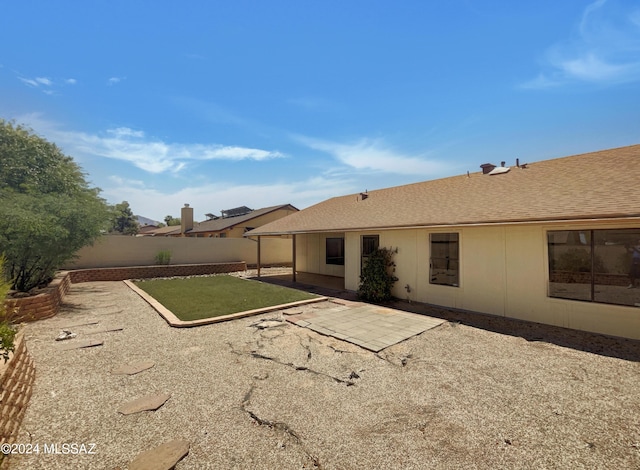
x=595, y=218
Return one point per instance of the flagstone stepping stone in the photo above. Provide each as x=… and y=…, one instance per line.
x=107, y=330
x=148, y=403
x=68, y=327
x=132, y=369
x=88, y=343
x=268, y=323
x=292, y=311
x=163, y=457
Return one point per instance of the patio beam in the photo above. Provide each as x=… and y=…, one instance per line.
x=259, y=238
x=294, y=257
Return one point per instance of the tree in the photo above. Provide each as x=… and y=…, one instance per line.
x=47, y=209
x=171, y=221
x=122, y=219
x=7, y=332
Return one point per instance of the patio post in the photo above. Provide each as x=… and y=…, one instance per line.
x=294, y=257
x=259, y=255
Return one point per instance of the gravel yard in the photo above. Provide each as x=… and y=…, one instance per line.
x=285, y=397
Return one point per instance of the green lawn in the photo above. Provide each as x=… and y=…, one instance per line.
x=206, y=297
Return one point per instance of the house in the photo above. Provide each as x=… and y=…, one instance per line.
x=549, y=242
x=166, y=231
x=233, y=223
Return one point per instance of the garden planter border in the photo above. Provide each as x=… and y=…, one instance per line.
x=47, y=304
x=16, y=385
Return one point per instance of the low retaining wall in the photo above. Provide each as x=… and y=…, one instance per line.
x=47, y=304
x=16, y=382
x=40, y=306
x=146, y=272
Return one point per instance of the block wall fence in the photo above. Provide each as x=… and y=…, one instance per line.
x=118, y=251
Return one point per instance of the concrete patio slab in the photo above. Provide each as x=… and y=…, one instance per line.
x=370, y=326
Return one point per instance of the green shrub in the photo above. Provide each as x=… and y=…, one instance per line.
x=377, y=279
x=7, y=332
x=163, y=257
x=7, y=335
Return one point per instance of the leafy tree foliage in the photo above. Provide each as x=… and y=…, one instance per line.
x=47, y=209
x=171, y=221
x=377, y=278
x=122, y=219
x=7, y=332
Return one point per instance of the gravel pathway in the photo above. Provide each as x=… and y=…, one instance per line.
x=285, y=397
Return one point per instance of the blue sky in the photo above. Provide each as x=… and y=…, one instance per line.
x=257, y=103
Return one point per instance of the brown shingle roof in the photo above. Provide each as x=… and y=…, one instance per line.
x=225, y=223
x=164, y=231
x=604, y=184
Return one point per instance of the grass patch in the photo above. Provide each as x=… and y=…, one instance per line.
x=205, y=297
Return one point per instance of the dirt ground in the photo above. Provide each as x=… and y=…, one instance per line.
x=476, y=392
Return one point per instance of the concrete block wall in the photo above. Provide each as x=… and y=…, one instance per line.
x=114, y=251
x=146, y=272
x=16, y=382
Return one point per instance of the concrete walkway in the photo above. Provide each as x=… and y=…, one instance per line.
x=369, y=326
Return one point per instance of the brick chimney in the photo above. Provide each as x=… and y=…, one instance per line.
x=186, y=219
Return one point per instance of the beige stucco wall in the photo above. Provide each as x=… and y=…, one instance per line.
x=503, y=271
x=114, y=250
x=311, y=254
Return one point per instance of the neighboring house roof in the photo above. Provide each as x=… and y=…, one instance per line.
x=164, y=231
x=224, y=223
x=604, y=184
x=148, y=228
x=145, y=220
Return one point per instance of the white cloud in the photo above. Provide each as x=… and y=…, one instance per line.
x=370, y=154
x=125, y=132
x=151, y=155
x=156, y=204
x=592, y=68
x=156, y=156
x=604, y=50
x=114, y=80
x=45, y=84
x=44, y=81
x=29, y=81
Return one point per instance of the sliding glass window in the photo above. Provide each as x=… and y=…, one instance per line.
x=595, y=265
